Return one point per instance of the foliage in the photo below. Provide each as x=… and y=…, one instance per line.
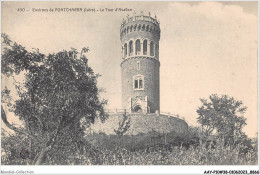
x=124, y=125
x=222, y=115
x=11, y=148
x=58, y=92
x=202, y=154
x=144, y=141
x=169, y=154
x=102, y=149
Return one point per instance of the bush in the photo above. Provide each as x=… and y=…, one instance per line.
x=200, y=155
x=102, y=149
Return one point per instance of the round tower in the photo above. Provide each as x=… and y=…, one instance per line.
x=140, y=64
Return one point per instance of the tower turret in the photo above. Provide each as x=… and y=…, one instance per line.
x=140, y=64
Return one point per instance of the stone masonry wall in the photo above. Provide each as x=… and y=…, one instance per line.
x=140, y=123
x=149, y=68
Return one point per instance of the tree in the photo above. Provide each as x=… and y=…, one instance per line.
x=123, y=126
x=222, y=116
x=59, y=91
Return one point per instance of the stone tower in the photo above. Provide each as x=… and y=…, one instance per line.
x=140, y=64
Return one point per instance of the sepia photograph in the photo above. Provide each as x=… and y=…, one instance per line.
x=129, y=83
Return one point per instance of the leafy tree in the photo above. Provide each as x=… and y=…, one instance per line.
x=222, y=116
x=59, y=91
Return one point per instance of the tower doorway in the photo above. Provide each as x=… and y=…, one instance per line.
x=138, y=109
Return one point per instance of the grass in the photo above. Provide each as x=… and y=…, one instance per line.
x=165, y=154
x=160, y=156
x=104, y=149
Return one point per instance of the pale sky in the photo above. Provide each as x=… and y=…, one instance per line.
x=205, y=47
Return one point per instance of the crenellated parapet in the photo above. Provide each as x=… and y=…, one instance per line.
x=138, y=23
x=140, y=17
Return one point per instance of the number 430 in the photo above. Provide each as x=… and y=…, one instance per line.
x=21, y=10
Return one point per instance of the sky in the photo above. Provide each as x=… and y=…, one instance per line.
x=205, y=47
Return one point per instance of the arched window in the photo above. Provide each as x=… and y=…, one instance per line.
x=143, y=28
x=157, y=51
x=130, y=48
x=137, y=47
x=125, y=50
x=152, y=48
x=147, y=28
x=139, y=27
x=122, y=51
x=145, y=47
x=138, y=82
x=138, y=65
